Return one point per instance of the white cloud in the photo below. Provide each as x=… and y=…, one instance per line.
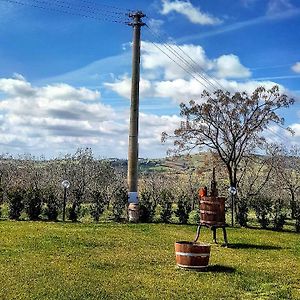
x=189, y=58
x=154, y=59
x=122, y=86
x=194, y=14
x=296, y=128
x=278, y=6
x=296, y=67
x=229, y=66
x=59, y=118
x=155, y=25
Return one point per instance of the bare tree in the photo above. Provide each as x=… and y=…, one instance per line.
x=288, y=171
x=229, y=124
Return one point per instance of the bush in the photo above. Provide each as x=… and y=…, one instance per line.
x=74, y=210
x=33, y=204
x=1, y=199
x=147, y=207
x=52, y=205
x=120, y=199
x=166, y=205
x=279, y=214
x=98, y=205
x=15, y=203
x=184, y=208
x=194, y=217
x=263, y=210
x=242, y=211
x=297, y=217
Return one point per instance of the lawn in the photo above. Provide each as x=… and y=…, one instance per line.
x=41, y=260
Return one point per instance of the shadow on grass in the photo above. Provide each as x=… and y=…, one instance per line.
x=220, y=269
x=252, y=246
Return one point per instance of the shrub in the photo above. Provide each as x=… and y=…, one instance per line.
x=166, y=205
x=120, y=199
x=15, y=203
x=147, y=207
x=297, y=217
x=74, y=210
x=263, y=210
x=98, y=205
x=184, y=208
x=33, y=203
x=52, y=205
x=242, y=211
x=1, y=199
x=279, y=214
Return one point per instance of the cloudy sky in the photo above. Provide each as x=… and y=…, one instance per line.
x=65, y=68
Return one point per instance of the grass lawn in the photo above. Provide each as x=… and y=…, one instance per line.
x=40, y=260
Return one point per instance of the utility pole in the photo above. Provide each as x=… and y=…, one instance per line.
x=133, y=208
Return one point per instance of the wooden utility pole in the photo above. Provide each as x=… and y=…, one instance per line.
x=133, y=209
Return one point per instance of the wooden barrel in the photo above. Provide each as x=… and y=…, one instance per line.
x=212, y=210
x=133, y=212
x=192, y=255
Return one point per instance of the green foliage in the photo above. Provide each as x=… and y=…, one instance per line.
x=279, y=214
x=98, y=205
x=166, y=200
x=147, y=207
x=15, y=203
x=33, y=203
x=184, y=208
x=52, y=204
x=263, y=209
x=242, y=211
x=297, y=217
x=194, y=217
x=74, y=210
x=120, y=199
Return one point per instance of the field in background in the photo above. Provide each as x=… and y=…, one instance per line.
x=41, y=260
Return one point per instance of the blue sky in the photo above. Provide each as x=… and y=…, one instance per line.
x=65, y=79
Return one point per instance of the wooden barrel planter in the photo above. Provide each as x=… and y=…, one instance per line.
x=133, y=212
x=212, y=210
x=191, y=255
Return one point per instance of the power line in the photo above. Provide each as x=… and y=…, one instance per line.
x=192, y=62
x=66, y=10
x=283, y=138
x=106, y=5
x=190, y=69
x=183, y=68
x=89, y=7
x=66, y=5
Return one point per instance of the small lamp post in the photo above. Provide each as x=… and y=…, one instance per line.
x=65, y=184
x=232, y=190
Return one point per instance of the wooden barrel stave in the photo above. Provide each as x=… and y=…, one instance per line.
x=192, y=255
x=212, y=210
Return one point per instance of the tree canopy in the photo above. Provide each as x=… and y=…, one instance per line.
x=229, y=124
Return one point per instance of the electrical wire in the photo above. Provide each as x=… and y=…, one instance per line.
x=188, y=68
x=204, y=74
x=282, y=138
x=82, y=9
x=89, y=7
x=74, y=6
x=67, y=10
x=190, y=62
x=183, y=68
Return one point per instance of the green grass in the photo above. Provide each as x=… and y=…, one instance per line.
x=40, y=260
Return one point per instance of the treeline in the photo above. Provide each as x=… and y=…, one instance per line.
x=33, y=187
x=268, y=186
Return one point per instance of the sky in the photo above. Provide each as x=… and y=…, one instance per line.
x=65, y=68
